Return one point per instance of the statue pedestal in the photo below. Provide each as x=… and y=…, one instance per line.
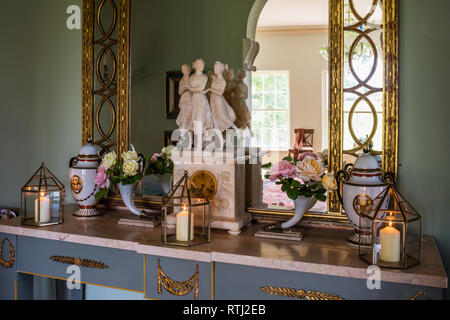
x=228, y=205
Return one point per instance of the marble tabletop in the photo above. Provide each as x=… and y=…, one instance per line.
x=323, y=251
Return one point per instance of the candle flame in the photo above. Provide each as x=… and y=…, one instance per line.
x=390, y=224
x=42, y=194
x=185, y=208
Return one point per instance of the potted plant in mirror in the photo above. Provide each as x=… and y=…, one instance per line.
x=161, y=166
x=125, y=173
x=304, y=180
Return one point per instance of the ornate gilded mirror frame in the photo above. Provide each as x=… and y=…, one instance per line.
x=118, y=85
x=100, y=88
x=390, y=100
x=106, y=76
x=390, y=88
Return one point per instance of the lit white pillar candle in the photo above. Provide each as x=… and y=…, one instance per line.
x=390, y=244
x=44, y=203
x=183, y=226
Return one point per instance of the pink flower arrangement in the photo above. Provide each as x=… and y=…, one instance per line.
x=308, y=154
x=102, y=179
x=155, y=157
x=282, y=169
x=304, y=176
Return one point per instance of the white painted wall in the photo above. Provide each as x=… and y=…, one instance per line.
x=299, y=53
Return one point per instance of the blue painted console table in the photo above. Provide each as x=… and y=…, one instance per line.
x=130, y=258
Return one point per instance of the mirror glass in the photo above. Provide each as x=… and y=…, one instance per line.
x=290, y=87
x=165, y=35
x=288, y=93
x=105, y=75
x=363, y=77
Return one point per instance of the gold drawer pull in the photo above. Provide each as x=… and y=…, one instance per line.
x=79, y=262
x=177, y=288
x=300, y=294
x=12, y=254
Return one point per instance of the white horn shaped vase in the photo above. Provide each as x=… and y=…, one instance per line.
x=127, y=193
x=302, y=204
x=166, y=182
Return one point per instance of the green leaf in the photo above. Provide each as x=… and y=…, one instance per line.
x=293, y=194
x=296, y=184
x=267, y=166
x=321, y=197
x=289, y=159
x=103, y=193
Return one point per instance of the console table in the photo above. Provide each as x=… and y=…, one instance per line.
x=131, y=258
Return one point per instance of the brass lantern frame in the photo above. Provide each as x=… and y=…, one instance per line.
x=42, y=183
x=191, y=197
x=387, y=209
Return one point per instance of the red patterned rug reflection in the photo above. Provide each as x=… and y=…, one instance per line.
x=273, y=196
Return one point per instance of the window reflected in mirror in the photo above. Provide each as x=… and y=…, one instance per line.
x=290, y=87
x=271, y=110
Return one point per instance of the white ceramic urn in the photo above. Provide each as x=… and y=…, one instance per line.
x=361, y=184
x=83, y=171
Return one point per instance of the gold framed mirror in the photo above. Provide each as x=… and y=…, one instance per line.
x=363, y=38
x=386, y=26
x=106, y=73
x=106, y=37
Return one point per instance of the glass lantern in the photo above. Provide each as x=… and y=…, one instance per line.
x=396, y=230
x=42, y=199
x=186, y=204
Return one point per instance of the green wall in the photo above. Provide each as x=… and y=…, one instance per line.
x=40, y=92
x=167, y=34
x=425, y=113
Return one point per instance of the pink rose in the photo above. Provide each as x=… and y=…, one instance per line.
x=155, y=157
x=282, y=169
x=308, y=154
x=102, y=179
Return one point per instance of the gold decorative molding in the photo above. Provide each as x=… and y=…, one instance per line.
x=336, y=95
x=336, y=67
x=79, y=262
x=300, y=294
x=391, y=85
x=106, y=85
x=123, y=85
x=82, y=282
x=420, y=294
x=291, y=30
x=6, y=264
x=213, y=280
x=87, y=107
x=177, y=288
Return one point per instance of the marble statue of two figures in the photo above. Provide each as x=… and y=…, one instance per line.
x=226, y=107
